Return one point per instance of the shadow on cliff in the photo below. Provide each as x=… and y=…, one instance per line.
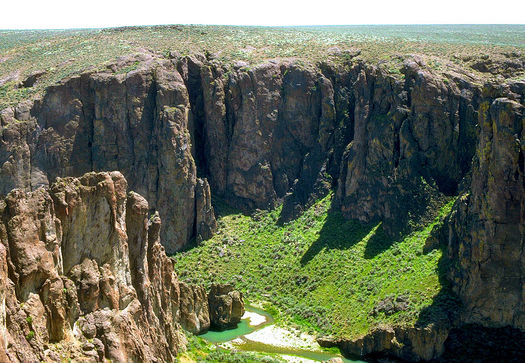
x=340, y=233
x=445, y=305
x=466, y=342
x=222, y=208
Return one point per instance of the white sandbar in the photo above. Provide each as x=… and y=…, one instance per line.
x=280, y=337
x=255, y=319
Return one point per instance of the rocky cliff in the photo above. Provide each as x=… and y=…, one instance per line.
x=279, y=131
x=84, y=276
x=487, y=229
x=136, y=123
x=392, y=144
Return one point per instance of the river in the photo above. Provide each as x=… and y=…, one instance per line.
x=257, y=333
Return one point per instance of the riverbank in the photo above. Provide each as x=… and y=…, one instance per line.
x=257, y=333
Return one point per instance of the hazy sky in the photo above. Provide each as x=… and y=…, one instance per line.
x=57, y=14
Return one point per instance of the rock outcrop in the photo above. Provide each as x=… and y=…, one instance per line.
x=194, y=308
x=487, y=229
x=184, y=129
x=410, y=344
x=279, y=131
x=205, y=224
x=83, y=275
x=226, y=306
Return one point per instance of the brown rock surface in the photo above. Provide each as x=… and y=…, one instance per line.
x=276, y=131
x=226, y=306
x=194, y=311
x=136, y=123
x=487, y=229
x=84, y=276
x=412, y=143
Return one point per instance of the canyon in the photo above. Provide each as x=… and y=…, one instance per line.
x=84, y=277
x=79, y=251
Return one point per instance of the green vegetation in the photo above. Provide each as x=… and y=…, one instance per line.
x=321, y=272
x=223, y=355
x=129, y=68
x=64, y=53
x=199, y=350
x=30, y=335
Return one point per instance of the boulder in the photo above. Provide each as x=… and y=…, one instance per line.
x=226, y=306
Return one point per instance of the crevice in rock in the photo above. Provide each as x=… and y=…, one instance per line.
x=230, y=117
x=155, y=143
x=397, y=152
x=129, y=132
x=197, y=123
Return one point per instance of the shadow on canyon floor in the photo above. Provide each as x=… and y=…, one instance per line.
x=340, y=233
x=445, y=305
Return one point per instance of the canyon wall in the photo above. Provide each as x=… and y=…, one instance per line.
x=136, y=123
x=392, y=147
x=486, y=237
x=84, y=275
x=279, y=131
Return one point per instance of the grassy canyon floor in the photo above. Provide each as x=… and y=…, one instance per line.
x=322, y=273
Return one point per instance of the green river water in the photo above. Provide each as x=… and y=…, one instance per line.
x=244, y=328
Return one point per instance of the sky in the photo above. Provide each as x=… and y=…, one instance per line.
x=61, y=14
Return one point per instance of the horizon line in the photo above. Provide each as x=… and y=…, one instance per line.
x=262, y=26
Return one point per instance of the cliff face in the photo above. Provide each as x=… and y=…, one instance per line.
x=181, y=130
x=84, y=276
x=135, y=123
x=283, y=131
x=278, y=131
x=486, y=235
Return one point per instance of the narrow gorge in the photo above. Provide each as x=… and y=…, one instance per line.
x=101, y=157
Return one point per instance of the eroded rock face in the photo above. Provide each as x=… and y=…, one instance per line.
x=392, y=148
x=276, y=132
x=82, y=266
x=410, y=344
x=226, y=306
x=412, y=143
x=136, y=123
x=487, y=229
x=279, y=131
x=194, y=310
